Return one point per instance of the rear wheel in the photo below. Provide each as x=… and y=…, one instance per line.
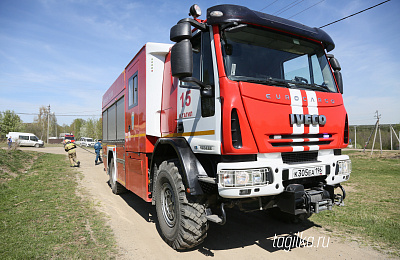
x=116, y=187
x=182, y=221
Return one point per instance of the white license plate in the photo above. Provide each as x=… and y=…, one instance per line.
x=307, y=172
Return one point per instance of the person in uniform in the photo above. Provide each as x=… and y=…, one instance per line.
x=9, y=140
x=70, y=149
x=97, y=149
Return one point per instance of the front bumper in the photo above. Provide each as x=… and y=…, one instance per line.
x=239, y=180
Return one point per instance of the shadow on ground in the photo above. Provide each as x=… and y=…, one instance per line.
x=241, y=229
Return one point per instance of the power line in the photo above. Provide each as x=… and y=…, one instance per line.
x=286, y=6
x=354, y=14
x=35, y=114
x=290, y=7
x=270, y=4
x=306, y=9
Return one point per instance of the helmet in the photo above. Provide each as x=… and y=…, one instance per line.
x=67, y=141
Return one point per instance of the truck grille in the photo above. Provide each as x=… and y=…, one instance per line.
x=300, y=157
x=300, y=140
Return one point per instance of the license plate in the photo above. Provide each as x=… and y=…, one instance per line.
x=307, y=172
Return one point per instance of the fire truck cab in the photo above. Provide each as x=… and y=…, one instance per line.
x=244, y=110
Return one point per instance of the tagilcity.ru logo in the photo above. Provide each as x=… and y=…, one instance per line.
x=298, y=240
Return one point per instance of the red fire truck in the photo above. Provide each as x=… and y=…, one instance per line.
x=245, y=110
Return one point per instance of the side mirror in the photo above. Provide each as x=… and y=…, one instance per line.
x=180, y=31
x=339, y=80
x=182, y=59
x=336, y=71
x=335, y=64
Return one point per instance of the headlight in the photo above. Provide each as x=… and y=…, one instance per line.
x=248, y=177
x=344, y=167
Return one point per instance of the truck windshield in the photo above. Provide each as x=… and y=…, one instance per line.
x=265, y=57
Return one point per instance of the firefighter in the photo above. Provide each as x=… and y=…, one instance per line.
x=70, y=148
x=97, y=149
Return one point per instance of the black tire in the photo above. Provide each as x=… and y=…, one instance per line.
x=36, y=145
x=182, y=221
x=116, y=187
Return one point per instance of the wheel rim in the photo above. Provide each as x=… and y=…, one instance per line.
x=168, y=204
x=113, y=174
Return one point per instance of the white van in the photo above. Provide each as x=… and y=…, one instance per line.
x=86, y=141
x=25, y=139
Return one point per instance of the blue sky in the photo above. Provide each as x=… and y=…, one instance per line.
x=66, y=53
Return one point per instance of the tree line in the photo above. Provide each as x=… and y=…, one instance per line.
x=45, y=122
x=365, y=132
x=11, y=122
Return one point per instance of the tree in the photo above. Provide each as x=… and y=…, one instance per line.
x=92, y=128
x=75, y=127
x=10, y=122
x=99, y=129
x=40, y=124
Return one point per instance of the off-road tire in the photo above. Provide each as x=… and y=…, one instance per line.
x=116, y=187
x=182, y=222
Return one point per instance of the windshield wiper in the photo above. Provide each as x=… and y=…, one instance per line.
x=281, y=82
x=313, y=86
x=269, y=81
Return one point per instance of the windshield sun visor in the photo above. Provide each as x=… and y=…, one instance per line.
x=240, y=14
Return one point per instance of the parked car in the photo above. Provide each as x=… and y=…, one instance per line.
x=86, y=141
x=26, y=139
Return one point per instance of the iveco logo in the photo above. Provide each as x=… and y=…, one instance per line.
x=307, y=119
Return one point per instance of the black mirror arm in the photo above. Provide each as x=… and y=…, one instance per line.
x=194, y=23
x=200, y=85
x=206, y=90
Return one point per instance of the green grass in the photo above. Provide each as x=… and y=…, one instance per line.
x=372, y=205
x=42, y=216
x=12, y=163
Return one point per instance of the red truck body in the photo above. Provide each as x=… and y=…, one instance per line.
x=244, y=110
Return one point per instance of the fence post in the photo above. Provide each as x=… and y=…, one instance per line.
x=355, y=137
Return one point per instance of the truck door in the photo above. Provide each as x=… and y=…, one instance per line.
x=132, y=115
x=198, y=116
x=134, y=127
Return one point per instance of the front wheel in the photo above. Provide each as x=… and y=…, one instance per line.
x=182, y=221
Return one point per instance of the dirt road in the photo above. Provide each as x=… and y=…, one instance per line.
x=244, y=236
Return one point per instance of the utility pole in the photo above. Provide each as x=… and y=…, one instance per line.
x=48, y=124
x=369, y=138
x=378, y=128
x=394, y=132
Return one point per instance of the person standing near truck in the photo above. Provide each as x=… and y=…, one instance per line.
x=97, y=149
x=9, y=141
x=70, y=149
